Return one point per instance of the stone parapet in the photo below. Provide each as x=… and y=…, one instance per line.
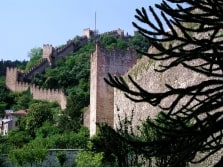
x=51, y=95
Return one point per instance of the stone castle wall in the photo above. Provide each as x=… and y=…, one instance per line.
x=38, y=68
x=104, y=61
x=51, y=55
x=70, y=46
x=38, y=93
x=16, y=80
x=144, y=74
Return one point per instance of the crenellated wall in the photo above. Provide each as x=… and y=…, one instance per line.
x=91, y=34
x=51, y=95
x=38, y=68
x=51, y=55
x=70, y=46
x=104, y=61
x=16, y=80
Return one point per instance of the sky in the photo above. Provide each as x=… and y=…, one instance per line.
x=27, y=24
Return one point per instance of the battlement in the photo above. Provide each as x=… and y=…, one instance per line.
x=48, y=52
x=38, y=68
x=51, y=95
x=118, y=32
x=15, y=79
x=90, y=33
x=87, y=32
x=114, y=61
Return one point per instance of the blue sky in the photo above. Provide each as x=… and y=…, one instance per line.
x=26, y=24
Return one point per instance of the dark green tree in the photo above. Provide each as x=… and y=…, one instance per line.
x=35, y=56
x=188, y=33
x=140, y=43
x=37, y=114
x=72, y=118
x=28, y=155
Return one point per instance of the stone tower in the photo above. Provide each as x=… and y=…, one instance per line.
x=104, y=61
x=11, y=78
x=48, y=52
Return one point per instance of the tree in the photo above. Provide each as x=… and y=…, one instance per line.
x=35, y=53
x=194, y=40
x=38, y=113
x=35, y=56
x=28, y=155
x=22, y=100
x=46, y=130
x=72, y=117
x=139, y=42
x=61, y=157
x=87, y=158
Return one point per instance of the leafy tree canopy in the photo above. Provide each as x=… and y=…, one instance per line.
x=35, y=56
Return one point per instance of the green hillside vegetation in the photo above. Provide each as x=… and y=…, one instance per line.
x=45, y=125
x=9, y=63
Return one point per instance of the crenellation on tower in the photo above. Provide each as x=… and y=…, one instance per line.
x=88, y=33
x=48, y=52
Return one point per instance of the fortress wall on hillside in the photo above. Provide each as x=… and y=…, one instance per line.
x=38, y=93
x=39, y=68
x=62, y=52
x=51, y=55
x=104, y=61
x=70, y=46
x=51, y=95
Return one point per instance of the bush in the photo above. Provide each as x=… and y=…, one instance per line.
x=89, y=159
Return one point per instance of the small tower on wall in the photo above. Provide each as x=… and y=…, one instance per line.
x=88, y=33
x=104, y=61
x=11, y=78
x=48, y=52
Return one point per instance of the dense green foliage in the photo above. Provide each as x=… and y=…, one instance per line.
x=89, y=159
x=8, y=63
x=35, y=56
x=27, y=155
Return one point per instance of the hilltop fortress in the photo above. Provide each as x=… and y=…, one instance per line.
x=18, y=81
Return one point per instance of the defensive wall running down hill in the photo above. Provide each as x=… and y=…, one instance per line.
x=18, y=81
x=51, y=95
x=51, y=55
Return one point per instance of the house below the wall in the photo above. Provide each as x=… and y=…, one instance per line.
x=9, y=121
